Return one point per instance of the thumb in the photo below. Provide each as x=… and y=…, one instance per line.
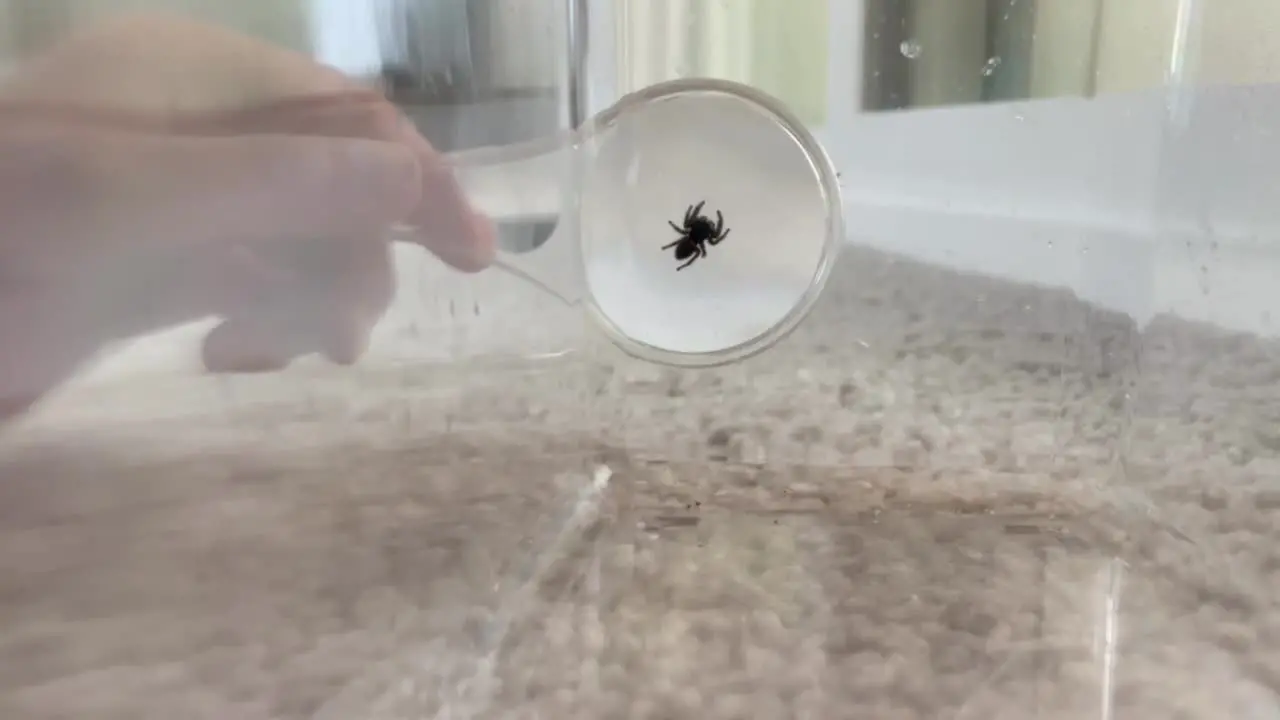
x=169, y=190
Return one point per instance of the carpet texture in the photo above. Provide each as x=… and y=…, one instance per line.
x=944, y=496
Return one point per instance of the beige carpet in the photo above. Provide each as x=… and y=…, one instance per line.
x=943, y=497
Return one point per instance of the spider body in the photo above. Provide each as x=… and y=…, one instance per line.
x=696, y=233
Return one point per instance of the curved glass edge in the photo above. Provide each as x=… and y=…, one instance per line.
x=822, y=166
x=568, y=225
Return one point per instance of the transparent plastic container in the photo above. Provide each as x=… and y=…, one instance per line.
x=1021, y=460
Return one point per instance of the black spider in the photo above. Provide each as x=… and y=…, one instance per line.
x=696, y=234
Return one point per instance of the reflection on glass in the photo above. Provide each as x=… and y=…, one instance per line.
x=920, y=53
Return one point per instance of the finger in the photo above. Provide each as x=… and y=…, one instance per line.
x=167, y=63
x=446, y=224
x=43, y=340
x=243, y=346
x=358, y=113
x=342, y=288
x=136, y=62
x=144, y=190
x=270, y=340
x=348, y=288
x=266, y=337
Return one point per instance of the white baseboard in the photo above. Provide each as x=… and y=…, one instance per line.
x=1101, y=266
x=1234, y=285
x=1121, y=199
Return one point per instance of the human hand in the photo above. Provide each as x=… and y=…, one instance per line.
x=158, y=171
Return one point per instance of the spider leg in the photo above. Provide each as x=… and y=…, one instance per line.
x=688, y=215
x=697, y=209
x=670, y=245
x=675, y=227
x=687, y=264
x=719, y=233
x=719, y=236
